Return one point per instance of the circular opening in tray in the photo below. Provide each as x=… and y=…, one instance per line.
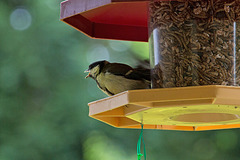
x=205, y=117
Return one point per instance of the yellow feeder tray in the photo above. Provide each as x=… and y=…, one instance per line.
x=194, y=108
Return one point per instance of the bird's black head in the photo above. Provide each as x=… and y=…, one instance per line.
x=98, y=63
x=95, y=68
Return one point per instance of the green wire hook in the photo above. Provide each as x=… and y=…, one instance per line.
x=140, y=140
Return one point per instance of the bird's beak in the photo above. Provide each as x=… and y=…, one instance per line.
x=88, y=73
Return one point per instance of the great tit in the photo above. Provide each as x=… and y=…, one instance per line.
x=113, y=78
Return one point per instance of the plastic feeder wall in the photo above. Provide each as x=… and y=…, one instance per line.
x=194, y=58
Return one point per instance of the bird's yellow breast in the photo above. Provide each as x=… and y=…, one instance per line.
x=116, y=84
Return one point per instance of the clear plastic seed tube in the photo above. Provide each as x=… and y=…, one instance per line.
x=194, y=42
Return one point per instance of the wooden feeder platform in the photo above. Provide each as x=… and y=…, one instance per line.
x=195, y=108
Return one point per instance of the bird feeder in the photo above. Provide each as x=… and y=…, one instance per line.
x=194, y=54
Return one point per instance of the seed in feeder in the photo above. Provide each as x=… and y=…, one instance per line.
x=226, y=8
x=198, y=42
x=197, y=10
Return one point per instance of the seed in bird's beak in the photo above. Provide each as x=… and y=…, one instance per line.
x=88, y=75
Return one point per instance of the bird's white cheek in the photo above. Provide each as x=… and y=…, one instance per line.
x=94, y=71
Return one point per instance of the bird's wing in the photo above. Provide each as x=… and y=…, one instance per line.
x=144, y=72
x=126, y=71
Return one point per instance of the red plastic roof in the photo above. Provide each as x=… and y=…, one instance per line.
x=108, y=19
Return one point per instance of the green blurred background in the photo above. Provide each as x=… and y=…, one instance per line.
x=44, y=96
